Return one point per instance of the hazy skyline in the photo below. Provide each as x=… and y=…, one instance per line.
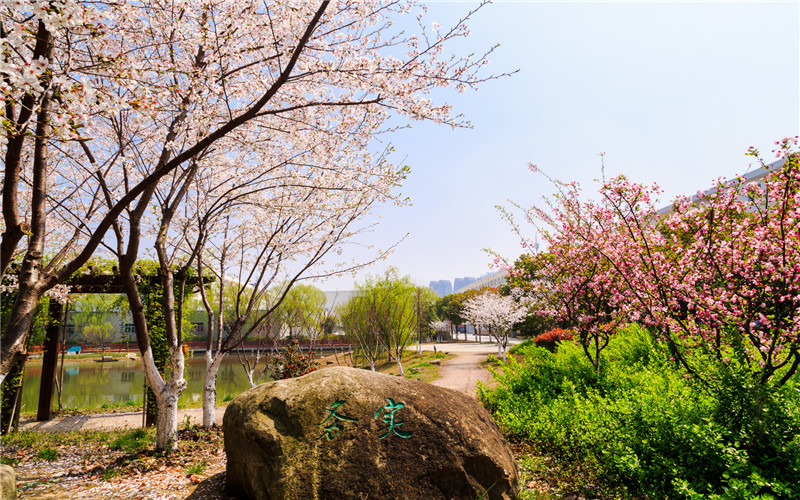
x=673, y=92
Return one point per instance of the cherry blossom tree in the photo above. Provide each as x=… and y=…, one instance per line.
x=106, y=101
x=496, y=313
x=720, y=275
x=150, y=92
x=439, y=326
x=270, y=249
x=576, y=283
x=43, y=46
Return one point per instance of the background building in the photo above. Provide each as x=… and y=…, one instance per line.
x=442, y=287
x=492, y=280
x=460, y=283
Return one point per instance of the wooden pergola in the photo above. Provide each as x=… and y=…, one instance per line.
x=85, y=283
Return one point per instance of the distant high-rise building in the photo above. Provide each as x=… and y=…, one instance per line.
x=492, y=280
x=462, y=282
x=442, y=287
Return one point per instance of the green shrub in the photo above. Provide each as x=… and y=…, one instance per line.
x=646, y=426
x=523, y=345
x=197, y=468
x=110, y=473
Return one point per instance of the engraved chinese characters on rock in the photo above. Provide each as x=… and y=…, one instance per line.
x=277, y=446
x=334, y=428
x=332, y=424
x=389, y=419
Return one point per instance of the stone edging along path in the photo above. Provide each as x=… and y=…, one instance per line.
x=460, y=373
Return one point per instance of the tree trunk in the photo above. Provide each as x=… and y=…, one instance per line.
x=49, y=362
x=12, y=347
x=167, y=419
x=210, y=388
x=10, y=398
x=30, y=279
x=250, y=377
x=400, y=366
x=167, y=394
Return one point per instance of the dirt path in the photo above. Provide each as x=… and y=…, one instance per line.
x=462, y=373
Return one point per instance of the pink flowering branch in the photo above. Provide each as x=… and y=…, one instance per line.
x=719, y=274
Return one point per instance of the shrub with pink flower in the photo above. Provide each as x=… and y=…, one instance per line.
x=717, y=276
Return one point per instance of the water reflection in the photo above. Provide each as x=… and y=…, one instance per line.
x=91, y=384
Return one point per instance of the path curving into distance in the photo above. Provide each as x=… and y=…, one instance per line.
x=463, y=372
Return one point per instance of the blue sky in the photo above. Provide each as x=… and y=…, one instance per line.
x=672, y=92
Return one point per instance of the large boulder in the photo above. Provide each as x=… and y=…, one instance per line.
x=348, y=433
x=8, y=483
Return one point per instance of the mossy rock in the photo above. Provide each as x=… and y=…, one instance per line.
x=8, y=483
x=349, y=433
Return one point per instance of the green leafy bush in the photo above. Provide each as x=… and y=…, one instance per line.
x=521, y=346
x=647, y=426
x=197, y=468
x=292, y=362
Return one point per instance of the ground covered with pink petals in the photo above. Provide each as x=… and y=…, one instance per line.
x=108, y=465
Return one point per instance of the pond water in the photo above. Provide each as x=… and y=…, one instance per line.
x=90, y=384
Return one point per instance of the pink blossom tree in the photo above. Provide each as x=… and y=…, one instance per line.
x=716, y=276
x=496, y=313
x=185, y=76
x=134, y=102
x=575, y=283
x=720, y=275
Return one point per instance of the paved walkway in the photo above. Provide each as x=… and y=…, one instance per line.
x=463, y=372
x=110, y=421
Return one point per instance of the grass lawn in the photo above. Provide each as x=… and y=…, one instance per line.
x=423, y=367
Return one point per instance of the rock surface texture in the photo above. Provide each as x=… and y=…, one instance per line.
x=349, y=433
x=8, y=483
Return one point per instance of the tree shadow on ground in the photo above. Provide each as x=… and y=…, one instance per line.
x=213, y=488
